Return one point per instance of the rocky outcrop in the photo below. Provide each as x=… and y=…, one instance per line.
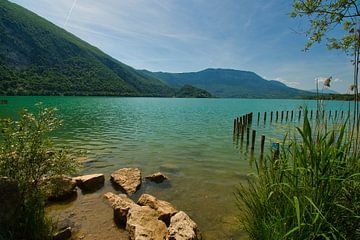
x=121, y=205
x=182, y=227
x=59, y=188
x=148, y=218
x=157, y=177
x=166, y=210
x=128, y=179
x=10, y=202
x=90, y=183
x=143, y=223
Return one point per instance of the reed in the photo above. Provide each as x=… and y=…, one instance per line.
x=311, y=191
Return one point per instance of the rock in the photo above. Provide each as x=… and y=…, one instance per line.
x=90, y=182
x=182, y=228
x=10, y=202
x=121, y=205
x=165, y=209
x=143, y=224
x=129, y=179
x=59, y=188
x=63, y=234
x=157, y=177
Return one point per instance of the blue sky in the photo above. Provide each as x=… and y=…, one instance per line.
x=191, y=35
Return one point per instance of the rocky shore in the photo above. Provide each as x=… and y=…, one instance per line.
x=144, y=218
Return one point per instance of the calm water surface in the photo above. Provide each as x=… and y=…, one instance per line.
x=190, y=140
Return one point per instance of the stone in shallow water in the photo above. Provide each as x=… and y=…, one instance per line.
x=91, y=182
x=143, y=224
x=182, y=227
x=165, y=209
x=121, y=205
x=157, y=177
x=129, y=179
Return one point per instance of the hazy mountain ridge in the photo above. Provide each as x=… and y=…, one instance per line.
x=230, y=83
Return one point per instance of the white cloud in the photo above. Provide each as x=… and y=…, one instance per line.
x=287, y=82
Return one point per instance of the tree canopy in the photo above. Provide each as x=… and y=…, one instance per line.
x=327, y=15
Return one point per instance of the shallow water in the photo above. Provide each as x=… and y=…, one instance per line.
x=189, y=140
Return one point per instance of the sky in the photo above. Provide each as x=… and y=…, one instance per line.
x=192, y=35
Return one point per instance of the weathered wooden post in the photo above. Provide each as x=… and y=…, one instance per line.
x=292, y=115
x=299, y=116
x=317, y=114
x=342, y=114
x=258, y=118
x=287, y=116
x=253, y=141
x=282, y=115
x=264, y=117
x=323, y=114
x=271, y=116
x=311, y=114
x=247, y=137
x=335, y=115
x=329, y=114
x=277, y=116
x=262, y=143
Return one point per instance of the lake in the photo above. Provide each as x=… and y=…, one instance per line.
x=189, y=140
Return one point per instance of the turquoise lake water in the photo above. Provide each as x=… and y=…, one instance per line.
x=190, y=140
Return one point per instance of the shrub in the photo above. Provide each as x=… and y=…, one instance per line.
x=311, y=191
x=28, y=155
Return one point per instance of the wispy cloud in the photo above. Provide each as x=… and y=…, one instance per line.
x=287, y=82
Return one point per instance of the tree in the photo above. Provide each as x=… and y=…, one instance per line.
x=326, y=15
x=28, y=155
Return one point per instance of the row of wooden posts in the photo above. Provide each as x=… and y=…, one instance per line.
x=242, y=124
x=246, y=120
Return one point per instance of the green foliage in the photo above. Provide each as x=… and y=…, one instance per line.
x=326, y=15
x=39, y=58
x=188, y=91
x=312, y=191
x=28, y=155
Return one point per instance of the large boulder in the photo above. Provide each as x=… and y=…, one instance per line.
x=165, y=209
x=143, y=224
x=10, y=202
x=91, y=182
x=157, y=177
x=59, y=188
x=121, y=205
x=129, y=179
x=182, y=227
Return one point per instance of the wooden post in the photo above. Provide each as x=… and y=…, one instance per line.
x=262, y=143
x=292, y=115
x=342, y=114
x=299, y=116
x=247, y=136
x=282, y=115
x=311, y=114
x=329, y=114
x=317, y=114
x=277, y=116
x=235, y=126
x=253, y=140
x=287, y=116
x=323, y=114
x=335, y=115
x=258, y=118
x=271, y=116
x=264, y=117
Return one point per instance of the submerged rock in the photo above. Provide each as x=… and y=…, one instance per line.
x=121, y=205
x=143, y=223
x=91, y=182
x=182, y=227
x=157, y=177
x=59, y=188
x=10, y=202
x=165, y=209
x=129, y=179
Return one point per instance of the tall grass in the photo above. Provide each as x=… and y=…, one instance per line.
x=311, y=191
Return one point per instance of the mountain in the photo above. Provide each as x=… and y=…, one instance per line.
x=324, y=91
x=230, y=83
x=39, y=58
x=188, y=91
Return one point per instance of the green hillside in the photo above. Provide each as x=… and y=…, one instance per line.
x=230, y=83
x=39, y=58
x=188, y=91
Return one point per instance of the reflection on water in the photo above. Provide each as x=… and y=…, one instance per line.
x=190, y=140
